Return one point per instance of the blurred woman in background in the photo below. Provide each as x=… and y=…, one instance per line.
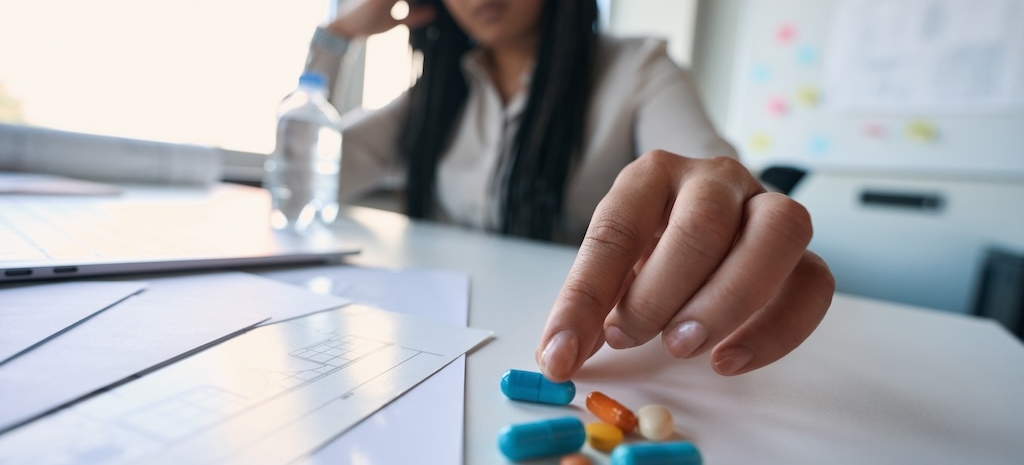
x=527, y=121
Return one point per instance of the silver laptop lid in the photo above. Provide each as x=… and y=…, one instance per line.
x=150, y=228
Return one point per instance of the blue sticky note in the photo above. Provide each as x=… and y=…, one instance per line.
x=819, y=145
x=760, y=73
x=806, y=55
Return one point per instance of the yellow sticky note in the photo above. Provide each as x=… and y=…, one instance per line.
x=921, y=130
x=760, y=142
x=807, y=96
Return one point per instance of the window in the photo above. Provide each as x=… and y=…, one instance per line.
x=207, y=72
x=388, y=67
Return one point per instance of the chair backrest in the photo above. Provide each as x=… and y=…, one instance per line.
x=1000, y=291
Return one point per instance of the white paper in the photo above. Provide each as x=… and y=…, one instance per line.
x=268, y=396
x=30, y=315
x=957, y=55
x=438, y=295
x=173, y=317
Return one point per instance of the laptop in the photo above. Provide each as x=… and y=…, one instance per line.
x=139, y=229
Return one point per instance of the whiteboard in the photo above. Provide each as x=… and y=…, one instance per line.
x=806, y=85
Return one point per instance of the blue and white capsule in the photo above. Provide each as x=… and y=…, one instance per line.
x=657, y=453
x=557, y=436
x=531, y=386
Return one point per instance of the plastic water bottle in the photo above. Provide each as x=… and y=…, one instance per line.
x=302, y=174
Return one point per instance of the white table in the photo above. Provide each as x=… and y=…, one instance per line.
x=876, y=383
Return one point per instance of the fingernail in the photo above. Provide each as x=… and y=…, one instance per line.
x=685, y=338
x=733, y=359
x=559, y=356
x=618, y=339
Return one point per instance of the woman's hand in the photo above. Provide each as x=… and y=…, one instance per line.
x=363, y=18
x=698, y=251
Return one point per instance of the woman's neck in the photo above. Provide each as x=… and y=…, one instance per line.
x=507, y=64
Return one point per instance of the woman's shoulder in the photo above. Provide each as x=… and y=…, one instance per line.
x=635, y=64
x=633, y=52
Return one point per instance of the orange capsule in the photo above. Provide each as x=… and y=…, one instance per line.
x=575, y=459
x=610, y=411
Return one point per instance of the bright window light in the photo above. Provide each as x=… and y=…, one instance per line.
x=388, y=69
x=207, y=72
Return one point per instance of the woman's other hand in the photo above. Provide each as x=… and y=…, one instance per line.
x=363, y=18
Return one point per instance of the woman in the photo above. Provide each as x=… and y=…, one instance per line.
x=528, y=122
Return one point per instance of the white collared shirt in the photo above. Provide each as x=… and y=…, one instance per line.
x=640, y=101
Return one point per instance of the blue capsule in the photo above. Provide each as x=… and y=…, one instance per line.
x=546, y=438
x=656, y=453
x=534, y=387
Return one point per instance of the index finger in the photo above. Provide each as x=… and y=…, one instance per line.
x=623, y=224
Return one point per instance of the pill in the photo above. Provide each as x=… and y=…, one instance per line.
x=575, y=459
x=534, y=387
x=610, y=411
x=655, y=422
x=656, y=453
x=603, y=436
x=544, y=438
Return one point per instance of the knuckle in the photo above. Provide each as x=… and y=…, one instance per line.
x=652, y=167
x=611, y=235
x=704, y=228
x=659, y=157
x=577, y=294
x=643, y=314
x=790, y=218
x=822, y=282
x=731, y=171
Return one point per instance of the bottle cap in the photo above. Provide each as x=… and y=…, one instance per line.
x=313, y=79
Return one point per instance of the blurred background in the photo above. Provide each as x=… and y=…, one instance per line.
x=898, y=123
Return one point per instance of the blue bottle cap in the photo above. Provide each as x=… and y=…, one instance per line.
x=313, y=79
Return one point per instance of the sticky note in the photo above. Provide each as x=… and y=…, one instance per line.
x=921, y=130
x=819, y=145
x=807, y=96
x=785, y=33
x=760, y=73
x=874, y=131
x=806, y=55
x=760, y=142
x=777, y=106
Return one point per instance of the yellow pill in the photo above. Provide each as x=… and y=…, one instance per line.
x=655, y=422
x=575, y=459
x=603, y=436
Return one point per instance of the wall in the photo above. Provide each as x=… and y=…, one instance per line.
x=673, y=20
x=973, y=163
x=714, y=54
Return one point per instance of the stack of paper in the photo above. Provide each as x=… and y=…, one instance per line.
x=125, y=334
x=160, y=371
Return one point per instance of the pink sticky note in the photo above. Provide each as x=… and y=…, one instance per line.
x=874, y=130
x=785, y=33
x=777, y=106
